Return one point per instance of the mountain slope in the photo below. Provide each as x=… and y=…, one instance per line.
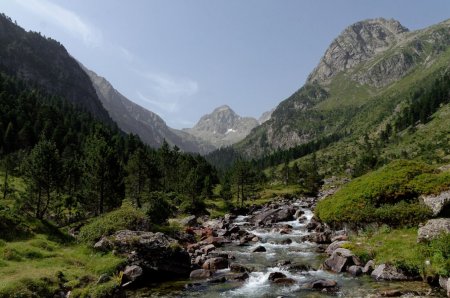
x=355, y=87
x=45, y=63
x=222, y=127
x=135, y=119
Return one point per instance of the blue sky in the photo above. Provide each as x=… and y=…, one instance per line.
x=183, y=58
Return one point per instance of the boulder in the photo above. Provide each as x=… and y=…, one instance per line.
x=235, y=267
x=298, y=213
x=355, y=270
x=335, y=245
x=215, y=264
x=270, y=216
x=284, y=281
x=103, y=244
x=444, y=282
x=369, y=267
x=132, y=273
x=286, y=241
x=159, y=256
x=217, y=280
x=341, y=259
x=207, y=248
x=201, y=274
x=259, y=249
x=437, y=203
x=240, y=277
x=216, y=241
x=433, y=228
x=275, y=275
x=322, y=284
x=389, y=272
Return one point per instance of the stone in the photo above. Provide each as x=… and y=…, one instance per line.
x=240, y=277
x=444, y=282
x=355, y=270
x=217, y=280
x=369, y=267
x=103, y=244
x=235, y=267
x=216, y=241
x=132, y=273
x=207, y=248
x=389, y=272
x=298, y=213
x=215, y=264
x=339, y=238
x=271, y=216
x=335, y=245
x=276, y=275
x=188, y=221
x=201, y=274
x=286, y=241
x=437, y=203
x=322, y=284
x=159, y=256
x=284, y=281
x=433, y=228
x=341, y=259
x=259, y=249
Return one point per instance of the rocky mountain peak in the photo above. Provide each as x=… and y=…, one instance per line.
x=357, y=43
x=222, y=127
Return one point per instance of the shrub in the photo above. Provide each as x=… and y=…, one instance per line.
x=158, y=209
x=126, y=217
x=387, y=195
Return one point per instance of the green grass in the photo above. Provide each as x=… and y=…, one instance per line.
x=34, y=267
x=126, y=217
x=397, y=247
x=387, y=195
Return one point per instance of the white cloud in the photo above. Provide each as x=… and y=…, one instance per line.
x=129, y=57
x=169, y=86
x=163, y=105
x=166, y=93
x=64, y=18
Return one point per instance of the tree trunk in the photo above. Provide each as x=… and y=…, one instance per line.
x=38, y=206
x=102, y=193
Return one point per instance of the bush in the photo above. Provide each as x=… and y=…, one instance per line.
x=438, y=252
x=158, y=209
x=387, y=195
x=12, y=226
x=126, y=217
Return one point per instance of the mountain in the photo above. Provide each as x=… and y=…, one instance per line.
x=265, y=116
x=132, y=118
x=369, y=77
x=222, y=127
x=45, y=63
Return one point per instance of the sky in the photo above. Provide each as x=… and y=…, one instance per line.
x=183, y=58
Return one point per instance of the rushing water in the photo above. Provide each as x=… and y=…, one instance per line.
x=302, y=256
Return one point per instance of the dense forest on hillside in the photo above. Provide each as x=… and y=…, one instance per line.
x=75, y=166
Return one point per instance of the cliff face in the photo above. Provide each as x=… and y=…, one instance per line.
x=368, y=59
x=357, y=43
x=135, y=119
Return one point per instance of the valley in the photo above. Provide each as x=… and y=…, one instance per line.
x=341, y=190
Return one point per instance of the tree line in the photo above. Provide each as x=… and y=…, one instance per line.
x=75, y=167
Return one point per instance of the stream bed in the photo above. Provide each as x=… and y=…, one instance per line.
x=286, y=253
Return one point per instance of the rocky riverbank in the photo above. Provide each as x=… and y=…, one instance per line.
x=276, y=249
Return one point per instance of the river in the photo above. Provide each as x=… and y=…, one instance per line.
x=304, y=260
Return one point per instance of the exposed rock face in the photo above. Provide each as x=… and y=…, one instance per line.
x=133, y=118
x=159, y=256
x=222, y=127
x=433, y=228
x=437, y=202
x=357, y=43
x=444, y=282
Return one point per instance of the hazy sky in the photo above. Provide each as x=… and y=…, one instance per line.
x=181, y=59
